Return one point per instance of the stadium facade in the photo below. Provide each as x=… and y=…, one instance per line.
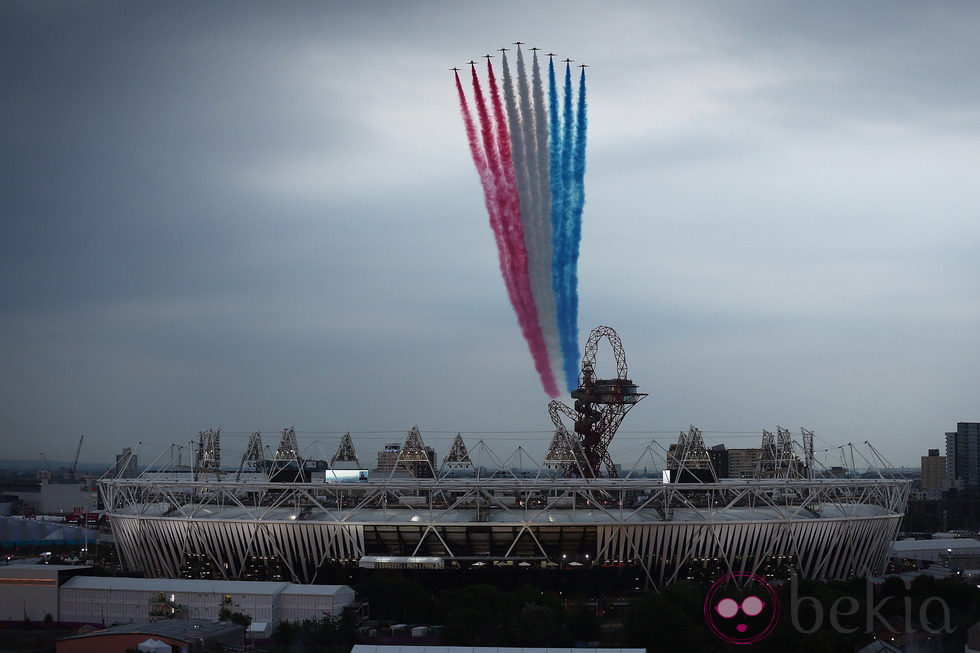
x=288, y=518
x=246, y=527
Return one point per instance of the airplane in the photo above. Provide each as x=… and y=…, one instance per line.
x=488, y=57
x=518, y=43
x=472, y=63
x=502, y=50
x=568, y=60
x=552, y=54
x=583, y=65
x=535, y=49
x=454, y=68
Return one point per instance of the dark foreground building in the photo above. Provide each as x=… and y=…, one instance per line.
x=190, y=635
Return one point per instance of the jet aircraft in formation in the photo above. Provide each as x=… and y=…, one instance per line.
x=518, y=44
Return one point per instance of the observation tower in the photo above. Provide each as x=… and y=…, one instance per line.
x=600, y=406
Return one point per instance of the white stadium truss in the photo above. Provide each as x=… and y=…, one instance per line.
x=167, y=524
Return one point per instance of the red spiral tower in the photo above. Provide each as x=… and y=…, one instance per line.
x=600, y=405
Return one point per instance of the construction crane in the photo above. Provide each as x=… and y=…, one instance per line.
x=47, y=467
x=74, y=464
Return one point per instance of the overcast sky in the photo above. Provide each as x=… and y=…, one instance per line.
x=257, y=215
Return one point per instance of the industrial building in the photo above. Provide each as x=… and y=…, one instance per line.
x=961, y=552
x=30, y=591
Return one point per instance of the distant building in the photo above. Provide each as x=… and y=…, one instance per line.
x=963, y=456
x=742, y=462
x=719, y=460
x=933, y=475
x=46, y=498
x=30, y=591
x=126, y=464
x=393, y=454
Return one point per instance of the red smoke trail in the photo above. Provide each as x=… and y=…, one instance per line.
x=486, y=179
x=509, y=204
x=504, y=213
x=490, y=187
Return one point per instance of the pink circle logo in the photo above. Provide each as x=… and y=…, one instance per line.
x=741, y=608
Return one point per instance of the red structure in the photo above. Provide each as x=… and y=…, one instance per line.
x=600, y=405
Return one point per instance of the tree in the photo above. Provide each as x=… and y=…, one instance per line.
x=539, y=626
x=234, y=617
x=397, y=598
x=584, y=624
x=464, y=627
x=285, y=633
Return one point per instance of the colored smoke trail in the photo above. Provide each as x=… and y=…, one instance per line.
x=557, y=200
x=514, y=237
x=565, y=248
x=535, y=214
x=575, y=208
x=495, y=166
x=517, y=142
x=539, y=159
x=529, y=152
x=486, y=179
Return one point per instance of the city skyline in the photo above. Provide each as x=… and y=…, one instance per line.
x=255, y=216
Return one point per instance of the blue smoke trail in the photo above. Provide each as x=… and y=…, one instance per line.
x=577, y=204
x=568, y=250
x=558, y=232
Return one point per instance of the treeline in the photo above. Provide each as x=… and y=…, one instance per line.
x=326, y=635
x=483, y=615
x=817, y=617
x=814, y=616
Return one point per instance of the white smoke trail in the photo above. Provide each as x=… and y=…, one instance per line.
x=539, y=166
x=517, y=143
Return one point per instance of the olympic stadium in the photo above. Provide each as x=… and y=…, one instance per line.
x=288, y=518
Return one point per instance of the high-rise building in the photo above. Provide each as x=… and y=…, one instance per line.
x=719, y=460
x=126, y=464
x=933, y=474
x=963, y=456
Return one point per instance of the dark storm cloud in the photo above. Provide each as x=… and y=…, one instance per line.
x=257, y=215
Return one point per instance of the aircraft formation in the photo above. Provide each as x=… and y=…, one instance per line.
x=489, y=56
x=527, y=135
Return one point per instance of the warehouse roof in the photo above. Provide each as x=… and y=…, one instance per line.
x=179, y=629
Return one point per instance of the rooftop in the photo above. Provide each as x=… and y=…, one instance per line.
x=181, y=629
